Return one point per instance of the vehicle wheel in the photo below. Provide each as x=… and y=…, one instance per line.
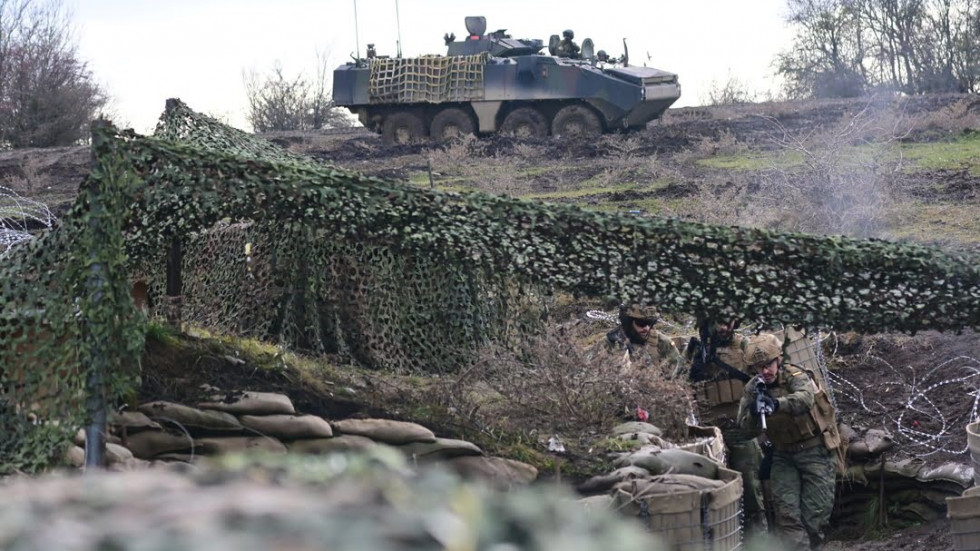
x=451, y=123
x=402, y=127
x=525, y=122
x=576, y=120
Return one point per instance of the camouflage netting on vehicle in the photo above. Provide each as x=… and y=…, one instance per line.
x=416, y=277
x=429, y=79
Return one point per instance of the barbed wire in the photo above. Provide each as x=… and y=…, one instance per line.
x=18, y=216
x=925, y=403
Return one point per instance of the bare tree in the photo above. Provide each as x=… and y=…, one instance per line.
x=828, y=51
x=850, y=47
x=47, y=94
x=279, y=102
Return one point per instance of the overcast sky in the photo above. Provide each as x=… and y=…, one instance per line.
x=145, y=51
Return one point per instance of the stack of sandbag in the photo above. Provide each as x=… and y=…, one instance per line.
x=248, y=421
x=913, y=492
x=707, y=441
x=677, y=490
x=117, y=456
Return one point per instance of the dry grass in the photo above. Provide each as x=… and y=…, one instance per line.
x=549, y=384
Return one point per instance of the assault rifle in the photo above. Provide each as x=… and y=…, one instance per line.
x=705, y=353
x=761, y=405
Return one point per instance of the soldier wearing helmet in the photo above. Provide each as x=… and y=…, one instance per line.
x=567, y=47
x=718, y=375
x=639, y=345
x=799, y=418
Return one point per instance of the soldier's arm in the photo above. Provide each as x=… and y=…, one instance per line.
x=749, y=423
x=799, y=393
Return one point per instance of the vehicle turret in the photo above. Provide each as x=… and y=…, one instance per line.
x=497, y=43
x=493, y=83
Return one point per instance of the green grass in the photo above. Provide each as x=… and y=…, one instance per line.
x=953, y=222
x=753, y=161
x=964, y=152
x=582, y=192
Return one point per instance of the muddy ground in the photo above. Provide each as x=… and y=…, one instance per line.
x=921, y=388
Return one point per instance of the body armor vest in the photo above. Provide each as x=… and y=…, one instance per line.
x=799, y=432
x=719, y=395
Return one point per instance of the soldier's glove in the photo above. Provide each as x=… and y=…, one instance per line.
x=770, y=404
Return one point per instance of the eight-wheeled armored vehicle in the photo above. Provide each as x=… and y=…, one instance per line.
x=491, y=83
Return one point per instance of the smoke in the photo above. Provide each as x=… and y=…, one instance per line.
x=836, y=178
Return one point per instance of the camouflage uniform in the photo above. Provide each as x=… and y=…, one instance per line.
x=717, y=393
x=803, y=467
x=624, y=345
x=663, y=357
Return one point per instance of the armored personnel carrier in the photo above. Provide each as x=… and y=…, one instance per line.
x=489, y=83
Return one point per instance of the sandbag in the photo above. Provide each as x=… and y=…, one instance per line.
x=114, y=453
x=442, y=448
x=287, y=427
x=385, y=430
x=189, y=418
x=79, y=439
x=950, y=472
x=237, y=444
x=75, y=456
x=131, y=421
x=847, y=433
x=250, y=403
x=645, y=439
x=150, y=443
x=604, y=482
x=341, y=443
x=498, y=471
x=675, y=461
x=666, y=484
x=872, y=443
x=637, y=426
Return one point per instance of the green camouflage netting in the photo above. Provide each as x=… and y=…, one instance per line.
x=394, y=275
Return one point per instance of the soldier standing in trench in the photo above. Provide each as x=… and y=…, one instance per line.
x=797, y=417
x=718, y=375
x=638, y=345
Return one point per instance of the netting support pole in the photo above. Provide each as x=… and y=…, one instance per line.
x=174, y=284
x=95, y=406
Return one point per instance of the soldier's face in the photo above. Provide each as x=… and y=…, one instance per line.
x=768, y=372
x=725, y=332
x=642, y=326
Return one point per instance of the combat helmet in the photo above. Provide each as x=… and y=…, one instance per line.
x=568, y=33
x=762, y=349
x=639, y=311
